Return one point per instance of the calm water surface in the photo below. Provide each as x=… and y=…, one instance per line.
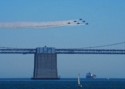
x=62, y=84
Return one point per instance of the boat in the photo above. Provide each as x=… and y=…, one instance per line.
x=79, y=83
x=90, y=76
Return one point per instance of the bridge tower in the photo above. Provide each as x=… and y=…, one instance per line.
x=45, y=63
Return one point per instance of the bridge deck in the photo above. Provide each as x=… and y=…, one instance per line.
x=65, y=51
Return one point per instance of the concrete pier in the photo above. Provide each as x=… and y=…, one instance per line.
x=45, y=64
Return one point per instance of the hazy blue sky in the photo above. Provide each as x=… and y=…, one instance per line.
x=106, y=20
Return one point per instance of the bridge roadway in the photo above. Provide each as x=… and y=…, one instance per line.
x=62, y=51
x=45, y=58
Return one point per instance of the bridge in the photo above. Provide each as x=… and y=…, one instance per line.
x=45, y=58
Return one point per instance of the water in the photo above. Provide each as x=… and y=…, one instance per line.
x=62, y=84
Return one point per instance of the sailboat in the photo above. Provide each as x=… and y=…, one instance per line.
x=79, y=83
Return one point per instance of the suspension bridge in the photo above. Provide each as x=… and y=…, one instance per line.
x=45, y=58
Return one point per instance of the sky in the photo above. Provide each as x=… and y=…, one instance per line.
x=106, y=26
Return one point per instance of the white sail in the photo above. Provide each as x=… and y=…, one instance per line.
x=79, y=83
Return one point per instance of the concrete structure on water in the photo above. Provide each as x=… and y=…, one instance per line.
x=45, y=63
